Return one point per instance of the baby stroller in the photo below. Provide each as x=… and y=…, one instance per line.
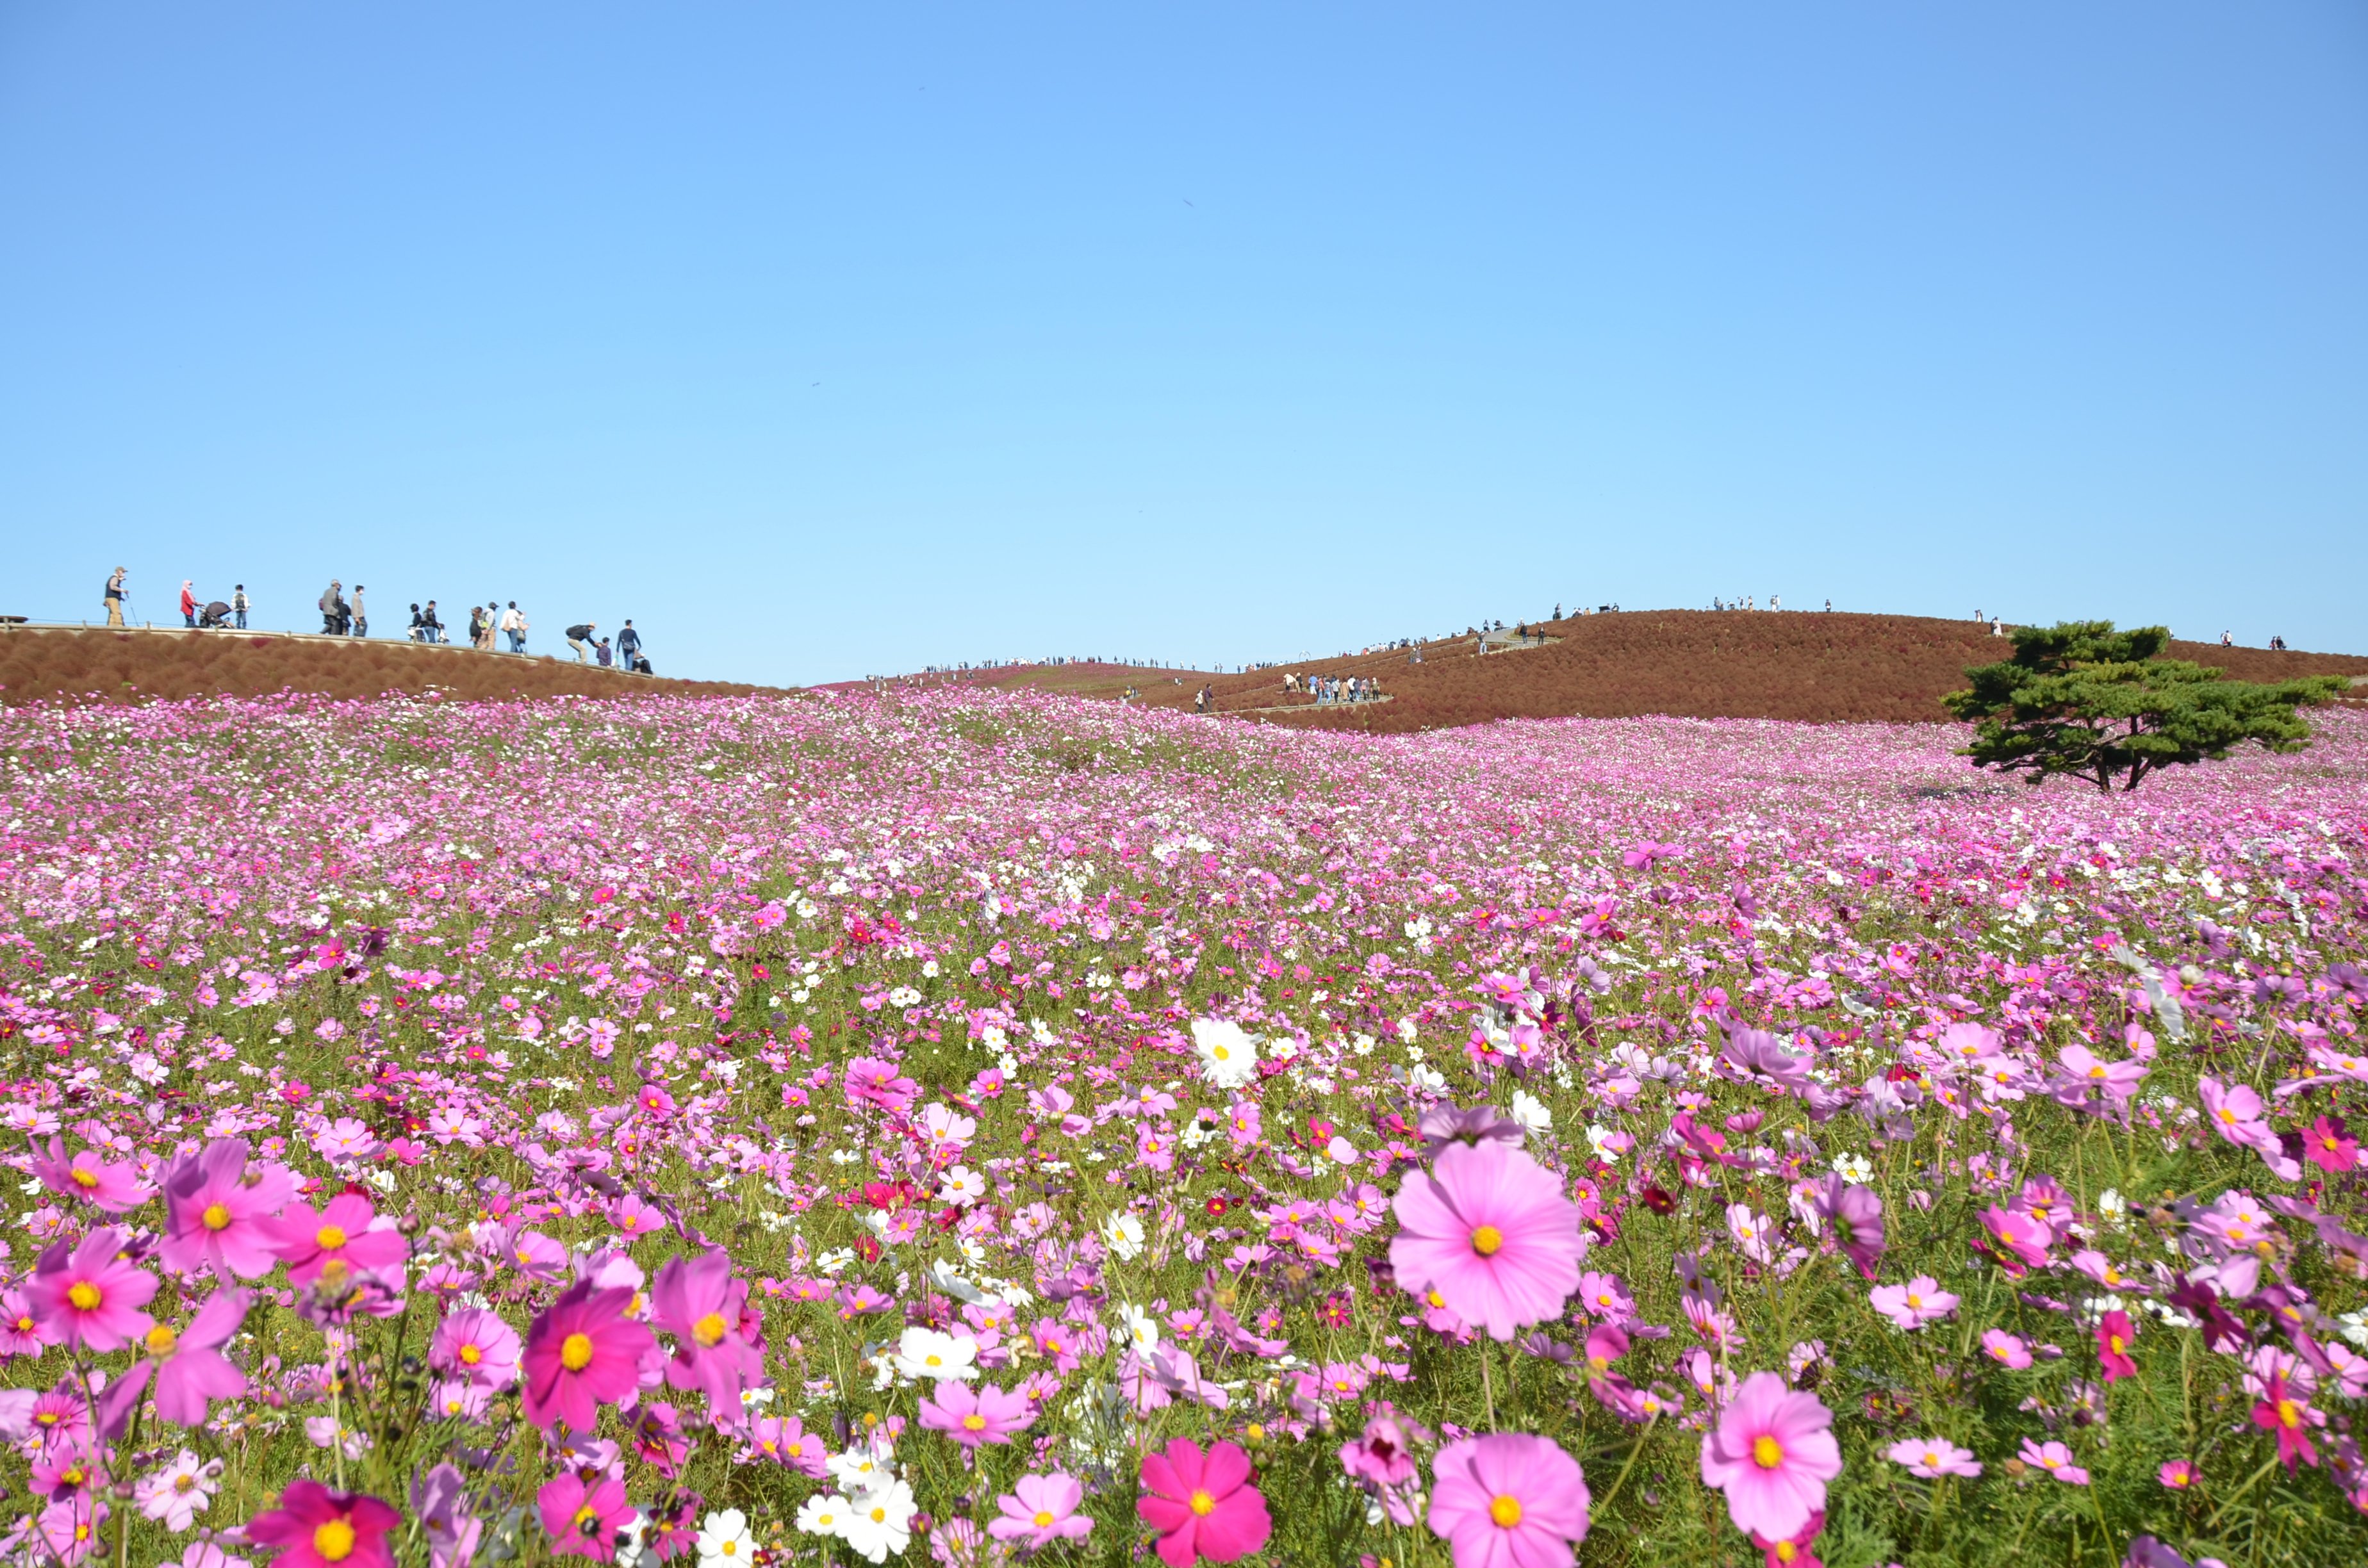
x=214, y=617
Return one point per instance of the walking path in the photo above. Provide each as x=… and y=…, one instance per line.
x=14, y=626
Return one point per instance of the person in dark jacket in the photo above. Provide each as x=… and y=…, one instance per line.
x=333, y=609
x=580, y=637
x=629, y=646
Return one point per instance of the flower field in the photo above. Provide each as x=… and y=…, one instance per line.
x=979, y=1128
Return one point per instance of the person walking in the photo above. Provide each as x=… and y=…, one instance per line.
x=333, y=605
x=476, y=627
x=431, y=631
x=418, y=623
x=361, y=616
x=514, y=628
x=113, y=597
x=629, y=646
x=578, y=636
x=188, y=604
x=238, y=605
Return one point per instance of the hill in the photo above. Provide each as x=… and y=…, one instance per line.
x=45, y=664
x=1812, y=665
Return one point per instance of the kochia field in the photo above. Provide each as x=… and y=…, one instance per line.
x=970, y=1128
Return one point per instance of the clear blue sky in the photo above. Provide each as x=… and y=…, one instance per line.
x=823, y=341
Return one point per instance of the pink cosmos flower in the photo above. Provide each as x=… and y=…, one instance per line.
x=189, y=1367
x=338, y=1233
x=1041, y=1509
x=1793, y=1552
x=315, y=1527
x=2055, y=1459
x=1509, y=1500
x=1856, y=1215
x=2177, y=1474
x=582, y=1353
x=2005, y=1349
x=2020, y=1237
x=2327, y=1144
x=988, y=1414
x=1771, y=1453
x=1489, y=1231
x=2115, y=1335
x=700, y=1304
x=2284, y=1410
x=86, y=1178
x=1384, y=1454
x=1203, y=1506
x=215, y=1219
x=1932, y=1457
x=477, y=1346
x=583, y=1520
x=1914, y=1304
x=90, y=1298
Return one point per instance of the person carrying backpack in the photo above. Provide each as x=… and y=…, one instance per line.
x=514, y=627
x=629, y=646
x=578, y=636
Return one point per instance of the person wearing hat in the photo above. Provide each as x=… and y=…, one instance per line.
x=188, y=603
x=115, y=599
x=579, y=637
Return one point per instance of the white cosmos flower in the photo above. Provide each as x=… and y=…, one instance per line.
x=1228, y=1057
x=1142, y=1330
x=881, y=1523
x=1531, y=1111
x=1124, y=1234
x=725, y=1541
x=924, y=1353
x=961, y=1186
x=824, y=1514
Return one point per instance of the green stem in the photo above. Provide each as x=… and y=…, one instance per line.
x=2266, y=1465
x=1604, y=1505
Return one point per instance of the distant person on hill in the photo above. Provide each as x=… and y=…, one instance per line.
x=514, y=628
x=476, y=625
x=113, y=597
x=2277, y=644
x=432, y=627
x=1829, y=606
x=2228, y=639
x=1996, y=627
x=629, y=646
x=238, y=605
x=418, y=624
x=601, y=657
x=577, y=636
x=333, y=609
x=362, y=614
x=188, y=604
x=1775, y=601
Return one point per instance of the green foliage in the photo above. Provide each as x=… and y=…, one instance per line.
x=2082, y=699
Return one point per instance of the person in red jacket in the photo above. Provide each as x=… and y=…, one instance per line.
x=188, y=604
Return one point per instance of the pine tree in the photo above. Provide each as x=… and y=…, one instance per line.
x=2083, y=699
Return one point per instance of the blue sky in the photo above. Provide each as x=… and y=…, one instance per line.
x=823, y=341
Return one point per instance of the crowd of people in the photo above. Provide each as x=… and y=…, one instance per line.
x=346, y=614
x=1330, y=689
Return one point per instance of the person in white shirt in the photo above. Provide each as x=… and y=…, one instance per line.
x=514, y=625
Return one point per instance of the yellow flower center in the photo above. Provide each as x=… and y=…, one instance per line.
x=1786, y=1552
x=333, y=1540
x=2289, y=1414
x=1505, y=1510
x=329, y=1238
x=1203, y=1505
x=973, y=1423
x=85, y=1296
x=216, y=1217
x=575, y=1352
x=1486, y=1240
x=185, y=1482
x=162, y=1340
x=470, y=1355
x=1043, y=1520
x=85, y=1179
x=2116, y=1343
x=1767, y=1452
x=879, y=1516
x=708, y=1330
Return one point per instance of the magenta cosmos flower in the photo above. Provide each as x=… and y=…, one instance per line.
x=583, y=1520
x=477, y=1344
x=1771, y=1453
x=216, y=1218
x=86, y=1178
x=970, y=1418
x=1508, y=1501
x=1489, y=1231
x=1203, y=1506
x=700, y=1304
x=89, y=1297
x=1914, y=1304
x=338, y=1233
x=315, y=1527
x=582, y=1353
x=189, y=1367
x=1041, y=1509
